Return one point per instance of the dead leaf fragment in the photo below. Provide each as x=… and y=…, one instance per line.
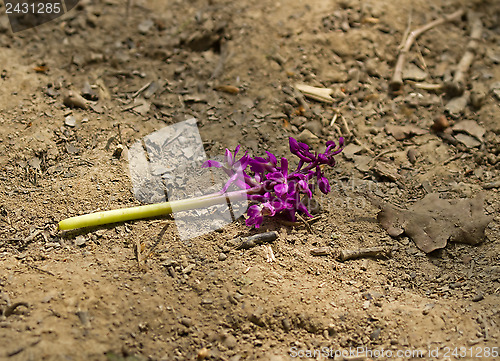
x=413, y=72
x=386, y=170
x=470, y=127
x=307, y=137
x=362, y=163
x=456, y=106
x=400, y=132
x=467, y=140
x=351, y=149
x=370, y=20
x=431, y=222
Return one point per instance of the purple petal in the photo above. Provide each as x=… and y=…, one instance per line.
x=294, y=145
x=256, y=214
x=229, y=158
x=324, y=185
x=331, y=147
x=302, y=208
x=301, y=150
x=257, y=168
x=211, y=163
x=241, y=183
x=254, y=221
x=257, y=198
x=281, y=189
x=268, y=209
x=272, y=158
x=253, y=210
x=284, y=166
x=304, y=187
x=226, y=186
x=244, y=161
x=276, y=176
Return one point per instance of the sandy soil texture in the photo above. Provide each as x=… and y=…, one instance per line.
x=78, y=92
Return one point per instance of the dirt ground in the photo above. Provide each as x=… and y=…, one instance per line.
x=232, y=65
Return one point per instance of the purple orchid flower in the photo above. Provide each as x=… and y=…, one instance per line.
x=274, y=188
x=235, y=169
x=257, y=212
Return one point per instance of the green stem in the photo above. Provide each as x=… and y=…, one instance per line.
x=147, y=211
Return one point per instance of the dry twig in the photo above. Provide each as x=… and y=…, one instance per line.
x=338, y=114
x=428, y=86
x=257, y=239
x=381, y=154
x=407, y=30
x=457, y=86
x=358, y=142
x=320, y=251
x=270, y=254
x=158, y=240
x=365, y=252
x=397, y=79
x=308, y=227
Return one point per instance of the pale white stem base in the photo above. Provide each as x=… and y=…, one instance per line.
x=147, y=211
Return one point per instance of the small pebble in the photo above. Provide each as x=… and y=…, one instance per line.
x=189, y=268
x=89, y=93
x=477, y=99
x=412, y=72
x=298, y=121
x=230, y=341
x=145, y=26
x=428, y=307
x=375, y=334
x=287, y=326
x=74, y=100
x=478, y=297
x=186, y=321
x=412, y=155
x=395, y=232
x=307, y=137
x=80, y=241
x=118, y=151
x=70, y=121
x=84, y=317
x=456, y=106
x=203, y=354
x=222, y=256
x=288, y=110
x=440, y=123
x=314, y=126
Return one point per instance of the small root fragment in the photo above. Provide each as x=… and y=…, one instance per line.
x=365, y=252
